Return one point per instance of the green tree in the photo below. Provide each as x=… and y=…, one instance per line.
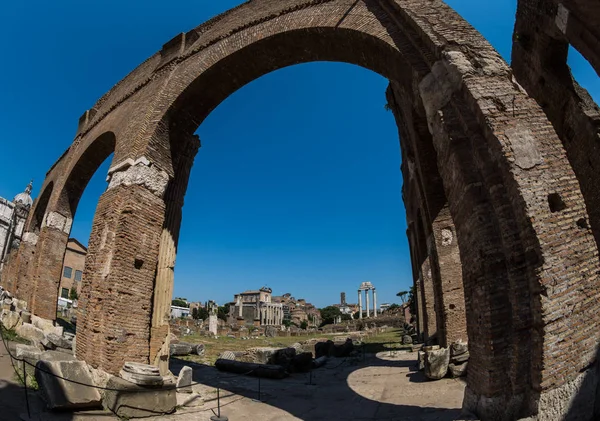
x=304, y=324
x=223, y=312
x=393, y=306
x=201, y=313
x=328, y=314
x=179, y=302
x=403, y=296
x=356, y=315
x=287, y=322
x=346, y=317
x=73, y=293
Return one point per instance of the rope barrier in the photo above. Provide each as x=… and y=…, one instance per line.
x=218, y=377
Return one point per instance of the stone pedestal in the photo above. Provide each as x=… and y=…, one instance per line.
x=134, y=401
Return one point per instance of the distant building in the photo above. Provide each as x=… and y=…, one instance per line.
x=256, y=307
x=72, y=271
x=177, y=312
x=384, y=306
x=12, y=221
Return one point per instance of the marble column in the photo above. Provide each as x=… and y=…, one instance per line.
x=367, y=302
x=241, y=307
x=374, y=302
x=359, y=304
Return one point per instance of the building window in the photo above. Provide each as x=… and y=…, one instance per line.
x=78, y=274
x=67, y=272
x=64, y=292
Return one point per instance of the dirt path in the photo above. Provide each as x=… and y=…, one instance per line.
x=381, y=387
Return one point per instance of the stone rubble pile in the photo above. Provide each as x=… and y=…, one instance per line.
x=277, y=362
x=42, y=334
x=438, y=363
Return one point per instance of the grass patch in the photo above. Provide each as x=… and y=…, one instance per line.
x=11, y=336
x=30, y=373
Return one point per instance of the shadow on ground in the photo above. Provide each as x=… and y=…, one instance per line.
x=382, y=386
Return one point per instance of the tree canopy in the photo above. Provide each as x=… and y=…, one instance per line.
x=328, y=314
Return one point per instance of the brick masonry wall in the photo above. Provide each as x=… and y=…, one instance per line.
x=529, y=264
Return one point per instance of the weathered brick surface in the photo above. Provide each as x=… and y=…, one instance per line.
x=487, y=154
x=116, y=303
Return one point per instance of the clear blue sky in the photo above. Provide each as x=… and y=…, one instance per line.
x=297, y=185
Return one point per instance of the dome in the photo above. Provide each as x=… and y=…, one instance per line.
x=25, y=197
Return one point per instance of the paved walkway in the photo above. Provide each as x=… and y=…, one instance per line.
x=381, y=387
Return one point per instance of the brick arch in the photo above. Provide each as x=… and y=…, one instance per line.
x=499, y=159
x=50, y=225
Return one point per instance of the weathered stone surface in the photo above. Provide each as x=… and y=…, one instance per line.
x=139, y=368
x=59, y=341
x=460, y=358
x=184, y=380
x=458, y=348
x=227, y=355
x=62, y=394
x=283, y=357
x=458, y=370
x=407, y=340
x=134, y=401
x=198, y=349
x=47, y=326
x=57, y=356
x=180, y=349
x=26, y=316
x=436, y=363
x=430, y=347
x=19, y=305
x=30, y=332
x=11, y=319
x=30, y=353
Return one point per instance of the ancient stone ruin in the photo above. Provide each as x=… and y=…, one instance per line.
x=500, y=184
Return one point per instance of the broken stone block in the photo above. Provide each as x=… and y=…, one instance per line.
x=180, y=349
x=47, y=344
x=59, y=341
x=184, y=380
x=26, y=316
x=458, y=370
x=302, y=362
x=227, y=355
x=407, y=340
x=436, y=363
x=141, y=374
x=27, y=352
x=62, y=394
x=458, y=348
x=135, y=401
x=198, y=349
x=11, y=319
x=19, y=304
x=324, y=349
x=457, y=359
x=47, y=326
x=344, y=349
x=57, y=356
x=30, y=332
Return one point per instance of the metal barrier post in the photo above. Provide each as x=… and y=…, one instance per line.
x=218, y=417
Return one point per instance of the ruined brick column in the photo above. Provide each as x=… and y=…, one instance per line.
x=163, y=291
x=15, y=272
x=50, y=253
x=116, y=301
x=452, y=322
x=428, y=297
